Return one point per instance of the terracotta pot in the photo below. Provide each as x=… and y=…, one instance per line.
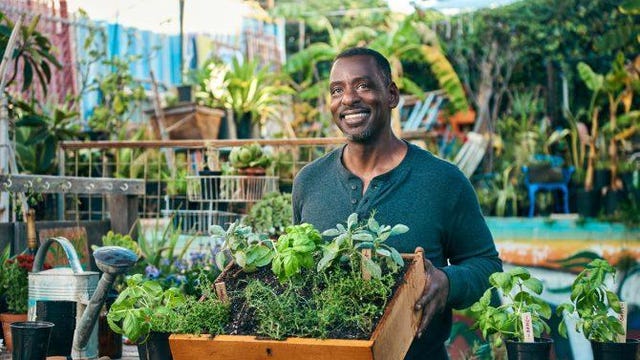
x=7, y=319
x=252, y=171
x=390, y=339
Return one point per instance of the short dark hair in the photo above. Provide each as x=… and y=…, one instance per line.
x=381, y=61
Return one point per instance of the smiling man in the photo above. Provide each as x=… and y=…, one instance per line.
x=377, y=171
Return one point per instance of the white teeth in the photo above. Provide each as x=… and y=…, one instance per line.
x=357, y=116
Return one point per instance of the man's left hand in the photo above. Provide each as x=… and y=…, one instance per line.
x=434, y=296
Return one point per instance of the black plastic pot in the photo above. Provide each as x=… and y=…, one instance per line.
x=109, y=342
x=185, y=93
x=601, y=178
x=156, y=347
x=612, y=200
x=31, y=339
x=587, y=202
x=615, y=351
x=538, y=350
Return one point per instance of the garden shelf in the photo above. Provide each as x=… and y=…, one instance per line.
x=229, y=188
x=390, y=339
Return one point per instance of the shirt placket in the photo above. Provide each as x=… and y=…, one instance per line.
x=362, y=204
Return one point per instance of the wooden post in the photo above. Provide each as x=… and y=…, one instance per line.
x=123, y=211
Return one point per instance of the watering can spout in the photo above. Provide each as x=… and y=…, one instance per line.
x=112, y=261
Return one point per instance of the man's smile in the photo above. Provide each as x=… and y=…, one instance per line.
x=355, y=118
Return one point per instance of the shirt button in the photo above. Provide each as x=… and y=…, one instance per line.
x=354, y=201
x=353, y=187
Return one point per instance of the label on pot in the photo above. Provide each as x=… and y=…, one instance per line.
x=622, y=317
x=527, y=327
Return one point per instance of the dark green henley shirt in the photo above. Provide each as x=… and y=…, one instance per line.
x=429, y=195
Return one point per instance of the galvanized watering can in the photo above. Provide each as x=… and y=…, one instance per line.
x=72, y=298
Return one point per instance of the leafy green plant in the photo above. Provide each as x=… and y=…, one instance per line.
x=319, y=305
x=271, y=215
x=39, y=129
x=249, y=156
x=205, y=314
x=114, y=239
x=294, y=250
x=593, y=304
x=248, y=249
x=504, y=322
x=33, y=53
x=120, y=93
x=15, y=281
x=160, y=249
x=144, y=307
x=348, y=242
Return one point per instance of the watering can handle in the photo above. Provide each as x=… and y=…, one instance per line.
x=68, y=248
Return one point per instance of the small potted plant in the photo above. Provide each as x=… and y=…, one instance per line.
x=596, y=311
x=145, y=313
x=250, y=159
x=520, y=320
x=15, y=285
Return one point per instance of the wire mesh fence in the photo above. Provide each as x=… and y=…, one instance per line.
x=175, y=172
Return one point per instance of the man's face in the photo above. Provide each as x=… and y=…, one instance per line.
x=361, y=101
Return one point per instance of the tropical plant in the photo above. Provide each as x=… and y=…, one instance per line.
x=252, y=91
x=33, y=53
x=504, y=322
x=144, y=306
x=593, y=305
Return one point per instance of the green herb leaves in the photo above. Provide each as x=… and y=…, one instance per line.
x=593, y=304
x=300, y=247
x=520, y=291
x=142, y=307
x=294, y=250
x=348, y=243
x=248, y=249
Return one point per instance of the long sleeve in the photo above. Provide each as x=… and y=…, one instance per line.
x=471, y=251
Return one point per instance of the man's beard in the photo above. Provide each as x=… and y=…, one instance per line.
x=361, y=137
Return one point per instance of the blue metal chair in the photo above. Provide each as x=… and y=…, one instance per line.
x=562, y=185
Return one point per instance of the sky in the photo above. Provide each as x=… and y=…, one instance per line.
x=222, y=16
x=446, y=6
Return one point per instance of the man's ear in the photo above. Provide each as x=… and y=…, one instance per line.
x=394, y=95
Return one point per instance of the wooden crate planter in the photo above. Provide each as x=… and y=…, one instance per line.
x=390, y=340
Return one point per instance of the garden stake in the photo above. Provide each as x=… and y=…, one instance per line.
x=527, y=327
x=221, y=291
x=622, y=338
x=366, y=254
